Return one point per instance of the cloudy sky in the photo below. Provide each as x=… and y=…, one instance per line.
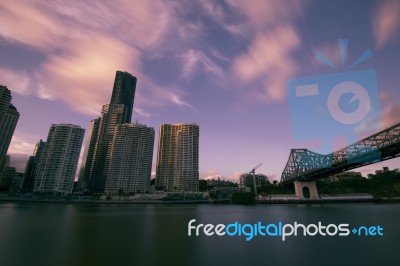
x=221, y=64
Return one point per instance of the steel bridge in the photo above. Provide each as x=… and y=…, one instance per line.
x=305, y=165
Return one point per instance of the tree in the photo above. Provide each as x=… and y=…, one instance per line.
x=243, y=198
x=203, y=185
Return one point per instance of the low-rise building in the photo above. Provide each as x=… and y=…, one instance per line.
x=246, y=180
x=345, y=175
x=230, y=190
x=7, y=177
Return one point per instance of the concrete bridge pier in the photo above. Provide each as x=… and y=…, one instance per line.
x=301, y=186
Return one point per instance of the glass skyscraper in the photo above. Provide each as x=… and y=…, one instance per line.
x=124, y=93
x=9, y=116
x=93, y=172
x=31, y=166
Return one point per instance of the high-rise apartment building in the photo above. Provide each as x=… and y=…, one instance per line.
x=130, y=159
x=178, y=157
x=87, y=165
x=94, y=171
x=8, y=121
x=57, y=166
x=31, y=166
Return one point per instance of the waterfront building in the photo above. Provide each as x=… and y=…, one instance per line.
x=17, y=181
x=31, y=166
x=9, y=116
x=57, y=166
x=87, y=165
x=230, y=190
x=93, y=172
x=178, y=157
x=130, y=159
x=7, y=178
x=246, y=180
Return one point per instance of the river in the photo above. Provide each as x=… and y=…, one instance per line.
x=111, y=234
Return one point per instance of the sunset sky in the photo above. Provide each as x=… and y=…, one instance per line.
x=221, y=64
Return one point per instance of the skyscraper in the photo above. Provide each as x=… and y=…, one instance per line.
x=57, y=166
x=124, y=93
x=119, y=111
x=8, y=121
x=31, y=166
x=86, y=170
x=5, y=100
x=178, y=157
x=130, y=159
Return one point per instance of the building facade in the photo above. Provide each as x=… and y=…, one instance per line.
x=246, y=180
x=94, y=172
x=31, y=166
x=178, y=158
x=87, y=166
x=17, y=181
x=124, y=93
x=130, y=159
x=7, y=175
x=8, y=121
x=57, y=166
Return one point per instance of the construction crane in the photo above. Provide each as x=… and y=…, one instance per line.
x=253, y=172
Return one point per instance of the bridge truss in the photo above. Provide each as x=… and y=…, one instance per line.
x=304, y=164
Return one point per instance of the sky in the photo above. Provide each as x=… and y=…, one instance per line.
x=221, y=64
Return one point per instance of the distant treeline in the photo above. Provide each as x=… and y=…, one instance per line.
x=380, y=185
x=383, y=184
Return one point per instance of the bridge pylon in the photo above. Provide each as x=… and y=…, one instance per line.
x=300, y=186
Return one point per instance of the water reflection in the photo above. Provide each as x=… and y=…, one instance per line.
x=62, y=234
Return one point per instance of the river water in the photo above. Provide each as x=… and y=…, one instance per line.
x=95, y=234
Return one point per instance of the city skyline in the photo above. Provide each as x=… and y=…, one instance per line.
x=222, y=65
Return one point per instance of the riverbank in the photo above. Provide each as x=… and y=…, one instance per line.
x=273, y=200
x=319, y=201
x=81, y=201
